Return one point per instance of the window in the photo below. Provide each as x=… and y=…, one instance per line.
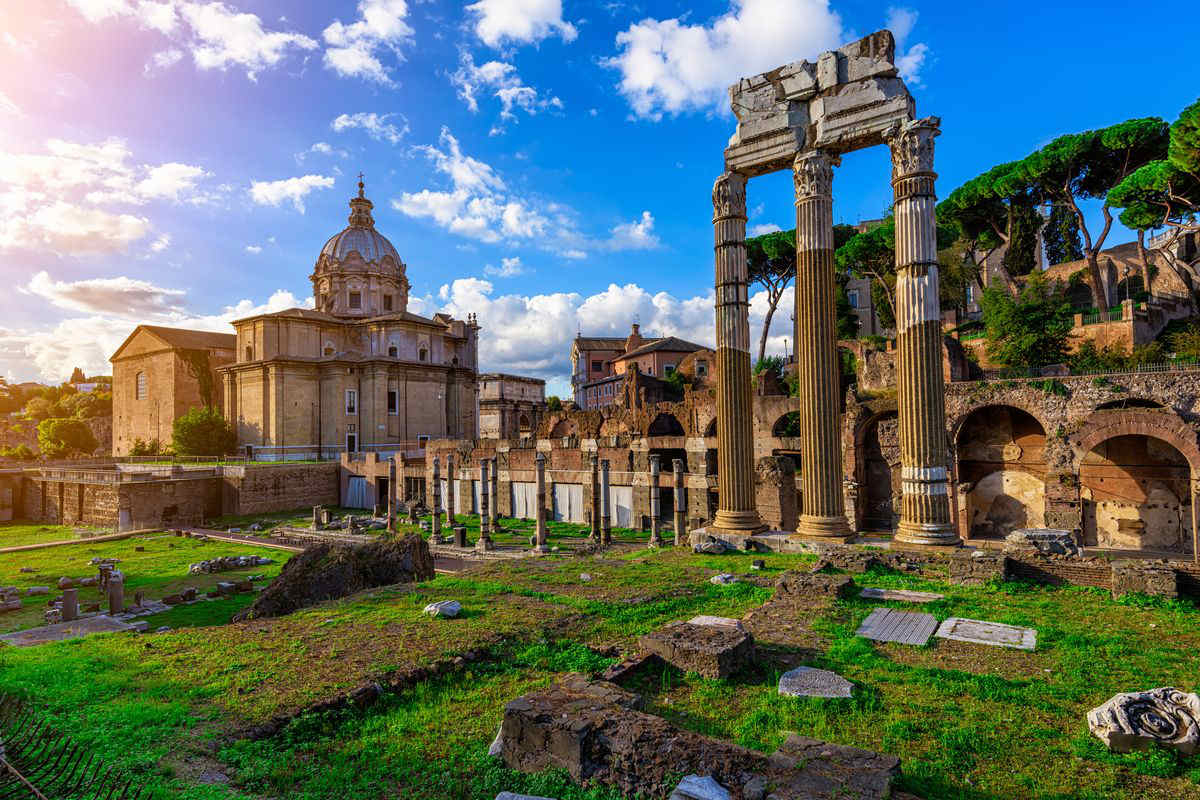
x=356, y=299
x=393, y=402
x=650, y=369
x=328, y=350
x=668, y=369
x=351, y=439
x=387, y=302
x=702, y=368
x=597, y=366
x=423, y=354
x=852, y=297
x=249, y=352
x=140, y=387
x=970, y=293
x=351, y=401
x=421, y=440
x=393, y=352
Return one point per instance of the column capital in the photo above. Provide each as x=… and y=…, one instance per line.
x=812, y=173
x=729, y=196
x=912, y=146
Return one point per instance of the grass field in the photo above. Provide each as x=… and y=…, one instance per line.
x=17, y=534
x=969, y=722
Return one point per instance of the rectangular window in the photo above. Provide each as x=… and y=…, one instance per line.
x=141, y=386
x=597, y=366
x=351, y=401
x=422, y=439
x=356, y=299
x=852, y=296
x=970, y=293
x=702, y=368
x=668, y=369
x=387, y=302
x=392, y=404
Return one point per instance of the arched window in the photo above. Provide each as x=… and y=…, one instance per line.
x=140, y=386
x=393, y=352
x=423, y=354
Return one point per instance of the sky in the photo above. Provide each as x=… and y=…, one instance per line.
x=544, y=164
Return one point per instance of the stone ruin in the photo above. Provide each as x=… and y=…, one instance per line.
x=226, y=563
x=1163, y=717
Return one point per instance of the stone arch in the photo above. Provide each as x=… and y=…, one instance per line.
x=1000, y=467
x=877, y=461
x=563, y=427
x=1129, y=402
x=787, y=426
x=1165, y=425
x=665, y=424
x=523, y=424
x=710, y=430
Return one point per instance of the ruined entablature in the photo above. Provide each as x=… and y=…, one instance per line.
x=849, y=99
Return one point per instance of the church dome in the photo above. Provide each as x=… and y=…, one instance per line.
x=360, y=235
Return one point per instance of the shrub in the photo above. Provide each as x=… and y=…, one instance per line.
x=58, y=437
x=203, y=432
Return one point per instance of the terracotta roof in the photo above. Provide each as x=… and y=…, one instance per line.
x=192, y=340
x=669, y=344
x=600, y=343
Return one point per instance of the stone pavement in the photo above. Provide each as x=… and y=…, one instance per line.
x=101, y=623
x=890, y=625
x=978, y=631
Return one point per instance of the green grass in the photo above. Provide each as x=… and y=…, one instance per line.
x=969, y=722
x=17, y=534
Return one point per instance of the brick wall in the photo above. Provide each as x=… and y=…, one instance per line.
x=260, y=490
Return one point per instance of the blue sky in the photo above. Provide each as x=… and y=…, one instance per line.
x=546, y=165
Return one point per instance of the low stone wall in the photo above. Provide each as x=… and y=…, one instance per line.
x=263, y=489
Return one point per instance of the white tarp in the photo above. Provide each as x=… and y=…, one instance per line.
x=620, y=506
x=524, y=500
x=357, y=495
x=568, y=502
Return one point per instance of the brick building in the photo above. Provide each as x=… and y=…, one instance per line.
x=160, y=374
x=599, y=364
x=510, y=406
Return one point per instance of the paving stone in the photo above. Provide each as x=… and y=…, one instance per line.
x=66, y=630
x=978, y=631
x=890, y=625
x=444, y=608
x=812, y=682
x=695, y=787
x=900, y=595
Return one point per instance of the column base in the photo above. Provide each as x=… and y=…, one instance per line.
x=541, y=549
x=655, y=541
x=930, y=534
x=738, y=522
x=823, y=527
x=483, y=545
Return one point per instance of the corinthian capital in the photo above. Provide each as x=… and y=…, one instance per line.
x=729, y=196
x=812, y=172
x=912, y=146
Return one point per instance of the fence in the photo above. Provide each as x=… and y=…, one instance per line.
x=1032, y=373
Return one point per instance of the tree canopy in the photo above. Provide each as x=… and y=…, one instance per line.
x=65, y=437
x=202, y=432
x=1031, y=329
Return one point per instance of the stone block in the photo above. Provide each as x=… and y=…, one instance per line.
x=1139, y=720
x=444, y=608
x=713, y=651
x=978, y=567
x=811, y=682
x=696, y=787
x=991, y=633
x=1048, y=541
x=511, y=796
x=1145, y=577
x=813, y=584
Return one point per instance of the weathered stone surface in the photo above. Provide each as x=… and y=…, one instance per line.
x=900, y=595
x=712, y=547
x=65, y=582
x=328, y=571
x=225, y=563
x=598, y=733
x=978, y=567
x=33, y=591
x=727, y=622
x=890, y=625
x=714, y=651
x=724, y=579
x=444, y=608
x=66, y=630
x=1138, y=720
x=511, y=796
x=813, y=584
x=1050, y=541
x=1144, y=577
x=696, y=787
x=996, y=634
x=812, y=682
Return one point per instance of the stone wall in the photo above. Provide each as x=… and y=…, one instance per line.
x=260, y=490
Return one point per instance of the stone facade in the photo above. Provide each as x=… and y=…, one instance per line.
x=160, y=374
x=510, y=406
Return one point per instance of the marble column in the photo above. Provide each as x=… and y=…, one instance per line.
x=391, y=498
x=540, y=531
x=494, y=507
x=920, y=385
x=594, y=464
x=116, y=595
x=450, y=481
x=70, y=605
x=485, y=539
x=436, y=529
x=605, y=504
x=736, y=512
x=680, y=502
x=817, y=369
x=655, y=502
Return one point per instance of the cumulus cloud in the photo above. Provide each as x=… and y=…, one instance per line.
x=509, y=268
x=636, y=235
x=910, y=60
x=294, y=190
x=217, y=35
x=67, y=228
x=670, y=66
x=161, y=243
x=519, y=21
x=253, y=249
x=122, y=296
x=353, y=50
x=378, y=126
x=500, y=80
x=763, y=228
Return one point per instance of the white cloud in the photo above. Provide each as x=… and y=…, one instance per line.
x=121, y=295
x=7, y=106
x=253, y=249
x=218, y=36
x=519, y=21
x=72, y=229
x=763, y=228
x=500, y=80
x=377, y=126
x=670, y=66
x=636, y=235
x=353, y=50
x=509, y=268
x=274, y=193
x=169, y=181
x=901, y=22
x=161, y=243
x=321, y=149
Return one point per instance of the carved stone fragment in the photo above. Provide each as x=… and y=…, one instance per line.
x=1136, y=720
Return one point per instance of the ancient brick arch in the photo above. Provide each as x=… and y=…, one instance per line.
x=955, y=424
x=563, y=427
x=665, y=424
x=1164, y=425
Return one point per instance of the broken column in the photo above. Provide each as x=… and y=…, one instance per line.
x=116, y=594
x=450, y=481
x=920, y=385
x=485, y=539
x=436, y=529
x=680, y=503
x=594, y=463
x=494, y=506
x=391, y=498
x=70, y=605
x=655, y=504
x=316, y=518
x=817, y=370
x=605, y=504
x=540, y=532
x=735, y=439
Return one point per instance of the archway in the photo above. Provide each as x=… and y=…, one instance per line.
x=523, y=424
x=1136, y=495
x=787, y=426
x=711, y=429
x=564, y=427
x=665, y=425
x=1001, y=454
x=879, y=472
x=1129, y=402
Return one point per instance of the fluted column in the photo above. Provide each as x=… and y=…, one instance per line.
x=485, y=539
x=920, y=385
x=680, y=501
x=655, y=504
x=540, y=531
x=817, y=369
x=436, y=528
x=494, y=507
x=391, y=498
x=450, y=480
x=735, y=439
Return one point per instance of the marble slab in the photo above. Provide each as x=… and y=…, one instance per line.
x=900, y=595
x=812, y=682
x=996, y=634
x=890, y=625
